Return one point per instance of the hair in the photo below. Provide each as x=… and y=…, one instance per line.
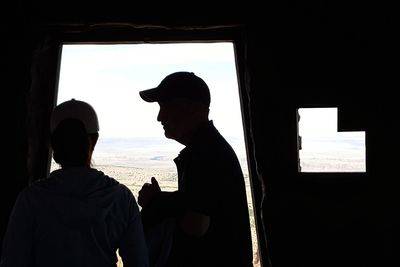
x=70, y=143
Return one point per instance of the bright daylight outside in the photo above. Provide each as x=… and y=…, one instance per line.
x=323, y=148
x=132, y=147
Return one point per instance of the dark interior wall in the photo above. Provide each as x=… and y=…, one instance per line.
x=319, y=55
x=16, y=50
x=309, y=54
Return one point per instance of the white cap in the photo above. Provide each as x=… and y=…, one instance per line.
x=75, y=109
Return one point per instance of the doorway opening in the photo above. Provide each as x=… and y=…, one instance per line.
x=132, y=146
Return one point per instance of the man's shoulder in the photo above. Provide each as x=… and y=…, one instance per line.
x=212, y=139
x=215, y=145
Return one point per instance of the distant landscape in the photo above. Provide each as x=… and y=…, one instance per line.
x=338, y=154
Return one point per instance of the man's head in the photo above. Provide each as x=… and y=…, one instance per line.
x=74, y=132
x=184, y=101
x=179, y=85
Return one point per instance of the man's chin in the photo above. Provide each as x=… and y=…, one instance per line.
x=167, y=135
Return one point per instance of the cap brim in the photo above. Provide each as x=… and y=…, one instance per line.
x=150, y=95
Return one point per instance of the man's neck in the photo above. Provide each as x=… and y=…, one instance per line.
x=191, y=134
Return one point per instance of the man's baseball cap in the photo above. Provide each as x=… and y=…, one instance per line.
x=179, y=84
x=75, y=109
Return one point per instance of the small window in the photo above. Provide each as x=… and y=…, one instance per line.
x=322, y=148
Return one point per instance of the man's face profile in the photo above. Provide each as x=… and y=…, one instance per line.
x=175, y=116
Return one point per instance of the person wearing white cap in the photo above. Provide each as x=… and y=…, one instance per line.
x=210, y=207
x=78, y=216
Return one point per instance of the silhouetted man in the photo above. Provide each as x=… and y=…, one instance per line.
x=210, y=206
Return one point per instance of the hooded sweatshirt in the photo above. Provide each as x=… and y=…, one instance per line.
x=76, y=217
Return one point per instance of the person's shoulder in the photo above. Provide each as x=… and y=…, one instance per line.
x=126, y=196
x=214, y=136
x=110, y=181
x=124, y=190
x=35, y=186
x=43, y=182
x=24, y=191
x=215, y=143
x=26, y=194
x=119, y=190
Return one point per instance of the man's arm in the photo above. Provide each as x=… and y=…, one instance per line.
x=163, y=205
x=158, y=205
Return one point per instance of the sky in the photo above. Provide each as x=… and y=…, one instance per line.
x=322, y=122
x=110, y=77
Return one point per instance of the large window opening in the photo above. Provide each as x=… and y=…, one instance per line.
x=322, y=148
x=132, y=146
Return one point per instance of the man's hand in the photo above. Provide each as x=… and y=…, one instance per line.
x=147, y=192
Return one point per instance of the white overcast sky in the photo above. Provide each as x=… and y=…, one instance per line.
x=110, y=77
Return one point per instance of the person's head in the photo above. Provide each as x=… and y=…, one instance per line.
x=74, y=132
x=184, y=100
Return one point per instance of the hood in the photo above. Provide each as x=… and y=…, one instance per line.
x=76, y=197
